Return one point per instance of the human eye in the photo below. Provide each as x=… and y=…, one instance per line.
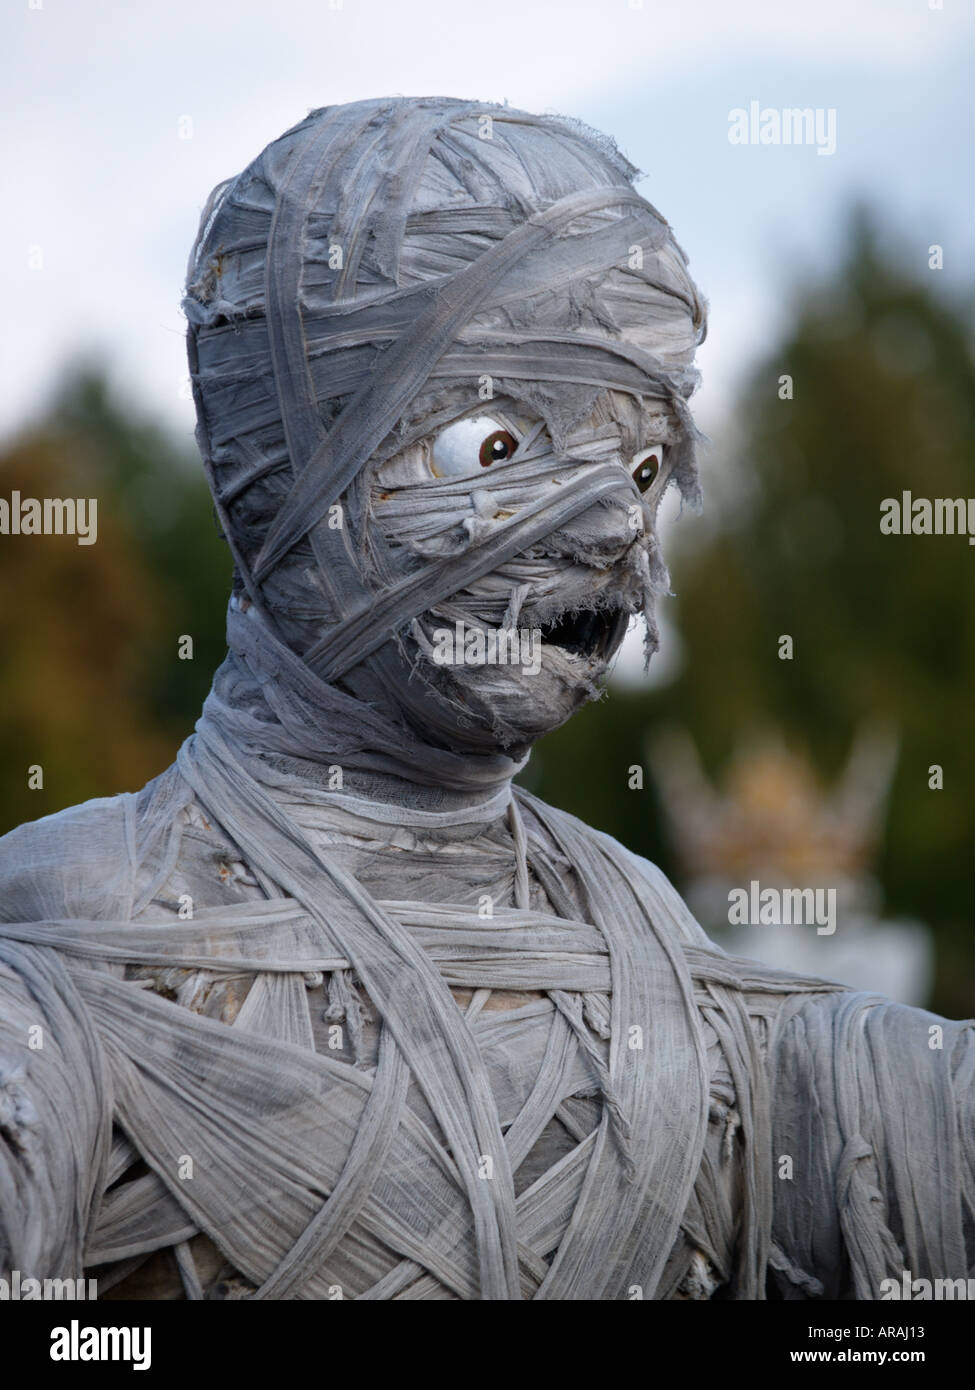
x=645, y=466
x=466, y=446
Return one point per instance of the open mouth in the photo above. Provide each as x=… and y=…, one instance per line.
x=589, y=634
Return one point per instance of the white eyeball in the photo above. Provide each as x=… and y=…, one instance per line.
x=646, y=465
x=468, y=445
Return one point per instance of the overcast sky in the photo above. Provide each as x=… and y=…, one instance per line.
x=103, y=195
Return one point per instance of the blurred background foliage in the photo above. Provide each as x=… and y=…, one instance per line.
x=789, y=542
x=91, y=685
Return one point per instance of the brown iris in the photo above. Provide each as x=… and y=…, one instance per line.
x=496, y=448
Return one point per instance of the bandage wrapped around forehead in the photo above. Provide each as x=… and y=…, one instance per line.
x=379, y=271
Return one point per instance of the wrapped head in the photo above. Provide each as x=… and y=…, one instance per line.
x=441, y=354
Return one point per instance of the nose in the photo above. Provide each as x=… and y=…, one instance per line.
x=604, y=533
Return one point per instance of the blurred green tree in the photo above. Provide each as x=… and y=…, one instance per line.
x=92, y=686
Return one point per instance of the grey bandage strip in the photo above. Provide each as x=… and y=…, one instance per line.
x=412, y=997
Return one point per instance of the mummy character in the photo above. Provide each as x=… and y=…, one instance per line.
x=331, y=1008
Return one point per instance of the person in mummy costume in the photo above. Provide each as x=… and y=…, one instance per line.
x=331, y=1008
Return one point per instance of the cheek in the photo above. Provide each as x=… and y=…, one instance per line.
x=409, y=468
x=427, y=522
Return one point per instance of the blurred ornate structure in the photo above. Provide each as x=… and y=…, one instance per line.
x=774, y=824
